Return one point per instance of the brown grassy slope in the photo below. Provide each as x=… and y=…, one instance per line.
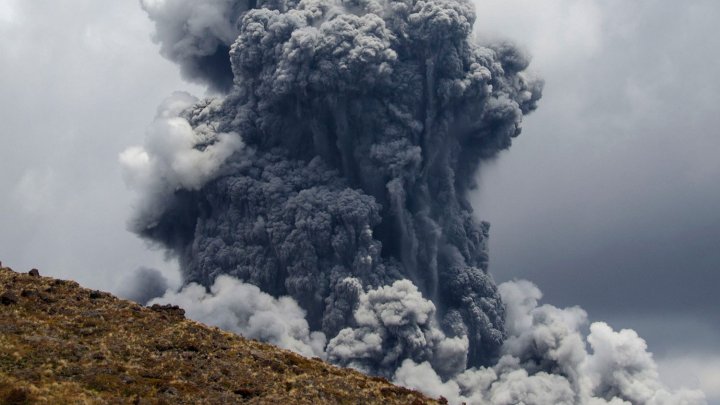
x=61, y=343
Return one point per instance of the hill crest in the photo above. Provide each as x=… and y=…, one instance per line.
x=62, y=343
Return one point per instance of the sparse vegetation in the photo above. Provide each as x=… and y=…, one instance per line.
x=60, y=343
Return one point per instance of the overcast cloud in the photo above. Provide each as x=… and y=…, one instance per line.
x=608, y=200
x=80, y=82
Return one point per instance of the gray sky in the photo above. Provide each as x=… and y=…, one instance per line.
x=80, y=81
x=608, y=200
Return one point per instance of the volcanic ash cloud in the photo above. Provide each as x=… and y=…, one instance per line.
x=333, y=171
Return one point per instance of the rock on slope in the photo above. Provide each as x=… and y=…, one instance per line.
x=61, y=343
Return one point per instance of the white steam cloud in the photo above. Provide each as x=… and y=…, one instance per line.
x=393, y=323
x=176, y=155
x=546, y=358
x=244, y=309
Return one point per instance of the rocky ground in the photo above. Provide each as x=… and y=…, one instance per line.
x=64, y=344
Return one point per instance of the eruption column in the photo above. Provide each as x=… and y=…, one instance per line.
x=337, y=164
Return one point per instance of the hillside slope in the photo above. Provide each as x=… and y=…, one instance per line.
x=61, y=343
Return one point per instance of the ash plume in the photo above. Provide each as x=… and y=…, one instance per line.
x=197, y=34
x=321, y=202
x=143, y=285
x=345, y=149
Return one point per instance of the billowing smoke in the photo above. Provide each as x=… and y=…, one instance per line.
x=344, y=150
x=242, y=308
x=320, y=203
x=143, y=285
x=197, y=35
x=545, y=361
x=394, y=323
x=176, y=156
